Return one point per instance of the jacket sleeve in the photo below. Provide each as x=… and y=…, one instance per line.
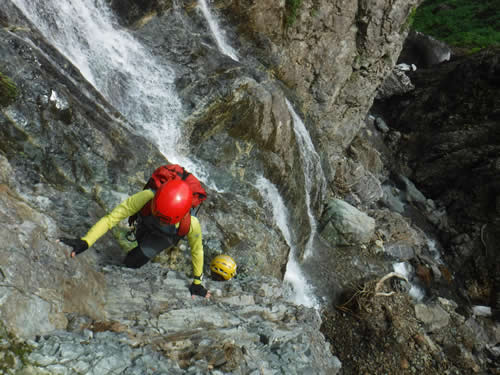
x=128, y=207
x=195, y=242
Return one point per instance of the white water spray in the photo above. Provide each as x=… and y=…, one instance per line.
x=129, y=76
x=434, y=251
x=312, y=167
x=303, y=293
x=415, y=291
x=223, y=46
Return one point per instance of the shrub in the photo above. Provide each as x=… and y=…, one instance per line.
x=468, y=24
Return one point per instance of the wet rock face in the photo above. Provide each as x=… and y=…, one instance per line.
x=238, y=112
x=136, y=13
x=57, y=138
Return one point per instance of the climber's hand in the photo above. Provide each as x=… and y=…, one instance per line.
x=198, y=290
x=78, y=245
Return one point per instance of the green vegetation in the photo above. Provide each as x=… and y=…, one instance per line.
x=291, y=7
x=470, y=24
x=410, y=20
x=8, y=90
x=12, y=351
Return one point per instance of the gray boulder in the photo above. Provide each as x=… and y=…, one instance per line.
x=433, y=316
x=343, y=224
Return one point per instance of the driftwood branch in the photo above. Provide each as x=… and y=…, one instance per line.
x=386, y=277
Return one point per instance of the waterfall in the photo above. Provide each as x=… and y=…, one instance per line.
x=311, y=164
x=117, y=65
x=302, y=290
x=223, y=46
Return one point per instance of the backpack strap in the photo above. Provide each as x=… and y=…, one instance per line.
x=184, y=174
x=184, y=225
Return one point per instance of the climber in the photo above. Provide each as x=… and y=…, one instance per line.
x=163, y=217
x=222, y=267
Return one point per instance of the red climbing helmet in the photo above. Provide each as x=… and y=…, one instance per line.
x=172, y=201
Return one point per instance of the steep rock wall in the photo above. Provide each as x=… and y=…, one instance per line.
x=332, y=57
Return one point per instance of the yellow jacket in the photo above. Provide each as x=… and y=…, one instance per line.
x=133, y=205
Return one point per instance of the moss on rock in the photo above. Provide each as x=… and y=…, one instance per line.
x=8, y=90
x=13, y=352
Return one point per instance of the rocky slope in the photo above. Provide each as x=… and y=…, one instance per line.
x=449, y=146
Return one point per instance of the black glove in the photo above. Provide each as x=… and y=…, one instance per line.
x=78, y=245
x=198, y=290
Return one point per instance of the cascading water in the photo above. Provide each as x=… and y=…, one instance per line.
x=311, y=160
x=302, y=291
x=129, y=76
x=223, y=46
x=311, y=164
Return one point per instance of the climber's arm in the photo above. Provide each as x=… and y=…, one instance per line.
x=128, y=207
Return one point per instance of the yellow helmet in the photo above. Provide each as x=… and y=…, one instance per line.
x=224, y=266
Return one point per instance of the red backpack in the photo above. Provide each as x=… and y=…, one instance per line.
x=167, y=173
x=170, y=172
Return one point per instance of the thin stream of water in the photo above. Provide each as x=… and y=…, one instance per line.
x=303, y=293
x=220, y=40
x=311, y=164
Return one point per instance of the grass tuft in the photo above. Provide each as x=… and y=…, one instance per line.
x=291, y=7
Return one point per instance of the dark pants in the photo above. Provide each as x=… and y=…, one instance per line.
x=135, y=258
x=152, y=238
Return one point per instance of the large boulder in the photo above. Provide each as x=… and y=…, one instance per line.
x=343, y=224
x=424, y=51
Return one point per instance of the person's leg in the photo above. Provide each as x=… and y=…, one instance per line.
x=150, y=245
x=135, y=258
